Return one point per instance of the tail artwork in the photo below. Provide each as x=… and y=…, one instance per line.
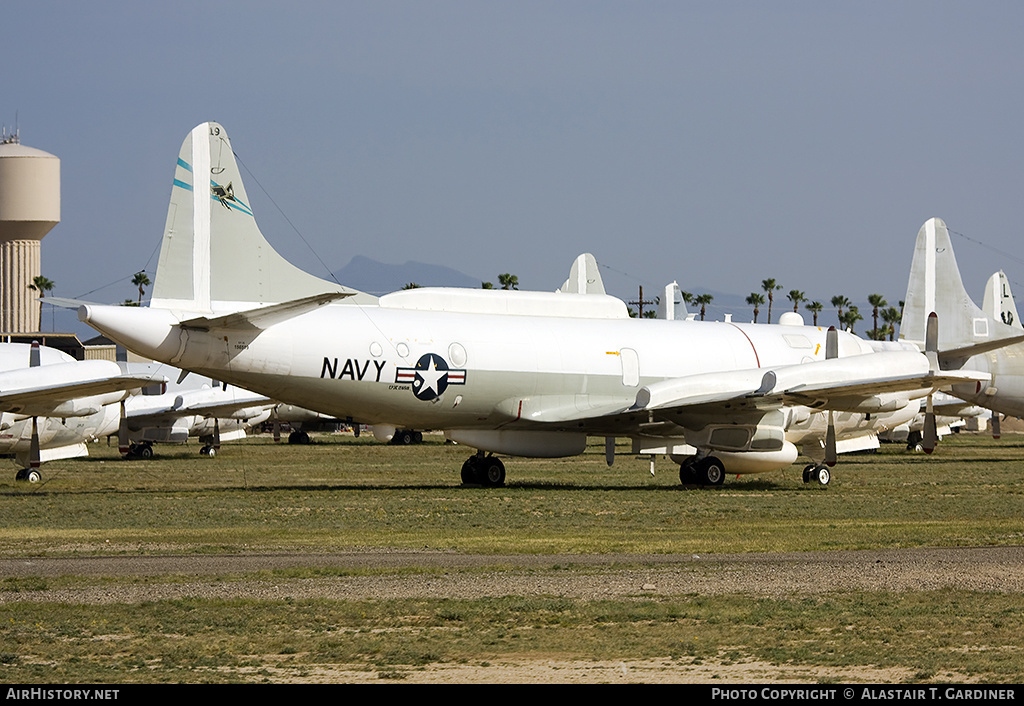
x=968, y=337
x=998, y=302
x=213, y=255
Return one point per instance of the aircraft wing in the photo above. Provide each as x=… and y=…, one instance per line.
x=223, y=409
x=51, y=390
x=852, y=384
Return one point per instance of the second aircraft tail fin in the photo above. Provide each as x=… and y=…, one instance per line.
x=935, y=286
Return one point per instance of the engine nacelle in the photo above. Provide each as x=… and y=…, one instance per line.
x=533, y=444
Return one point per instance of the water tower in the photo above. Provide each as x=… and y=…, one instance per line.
x=29, y=208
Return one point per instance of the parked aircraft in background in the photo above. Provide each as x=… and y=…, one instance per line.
x=52, y=404
x=969, y=339
x=192, y=407
x=509, y=372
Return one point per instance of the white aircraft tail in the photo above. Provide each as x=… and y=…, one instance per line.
x=671, y=305
x=999, y=302
x=584, y=277
x=935, y=286
x=213, y=255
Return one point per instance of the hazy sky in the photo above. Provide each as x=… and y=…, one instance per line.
x=713, y=143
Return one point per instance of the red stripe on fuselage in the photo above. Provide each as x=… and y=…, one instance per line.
x=756, y=358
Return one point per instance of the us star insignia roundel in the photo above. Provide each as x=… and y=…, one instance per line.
x=431, y=377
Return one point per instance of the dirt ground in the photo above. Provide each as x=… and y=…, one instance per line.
x=999, y=569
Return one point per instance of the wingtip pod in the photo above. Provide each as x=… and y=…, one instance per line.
x=213, y=254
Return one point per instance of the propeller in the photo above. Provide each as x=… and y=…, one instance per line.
x=33, y=453
x=931, y=351
x=831, y=351
x=122, y=432
x=995, y=425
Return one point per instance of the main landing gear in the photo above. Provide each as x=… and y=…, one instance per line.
x=705, y=471
x=487, y=471
x=817, y=472
x=31, y=475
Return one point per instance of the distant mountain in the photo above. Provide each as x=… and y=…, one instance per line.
x=374, y=277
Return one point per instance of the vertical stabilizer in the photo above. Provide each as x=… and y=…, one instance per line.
x=671, y=306
x=935, y=286
x=583, y=277
x=999, y=302
x=213, y=255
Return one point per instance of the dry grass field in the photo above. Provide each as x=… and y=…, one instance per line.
x=351, y=561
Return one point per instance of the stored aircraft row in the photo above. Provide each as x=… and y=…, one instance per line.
x=506, y=372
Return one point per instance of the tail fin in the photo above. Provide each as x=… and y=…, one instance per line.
x=213, y=255
x=584, y=277
x=671, y=305
x=999, y=302
x=935, y=286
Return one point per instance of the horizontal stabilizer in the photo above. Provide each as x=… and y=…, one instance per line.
x=264, y=317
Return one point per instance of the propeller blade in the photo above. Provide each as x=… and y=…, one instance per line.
x=931, y=350
x=995, y=425
x=33, y=453
x=122, y=432
x=931, y=436
x=830, y=442
x=831, y=343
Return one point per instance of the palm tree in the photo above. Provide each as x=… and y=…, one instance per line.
x=140, y=280
x=815, y=309
x=486, y=285
x=769, y=286
x=840, y=302
x=703, y=300
x=851, y=317
x=876, y=301
x=412, y=285
x=796, y=296
x=42, y=285
x=755, y=300
x=891, y=316
x=508, y=281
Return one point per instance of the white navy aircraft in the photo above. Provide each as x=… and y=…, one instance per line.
x=503, y=372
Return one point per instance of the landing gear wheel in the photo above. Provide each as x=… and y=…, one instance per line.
x=822, y=475
x=208, y=451
x=31, y=475
x=142, y=451
x=298, y=437
x=808, y=470
x=487, y=471
x=710, y=471
x=469, y=471
x=493, y=475
x=687, y=474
